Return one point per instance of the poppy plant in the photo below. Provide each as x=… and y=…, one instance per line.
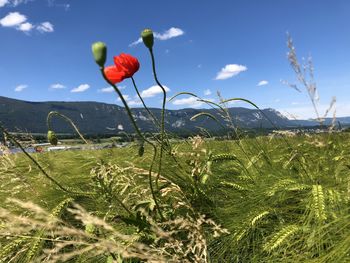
x=125, y=67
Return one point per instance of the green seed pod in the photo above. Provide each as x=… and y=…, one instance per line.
x=99, y=50
x=141, y=150
x=52, y=138
x=90, y=229
x=147, y=38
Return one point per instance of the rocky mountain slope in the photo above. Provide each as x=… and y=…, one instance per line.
x=102, y=118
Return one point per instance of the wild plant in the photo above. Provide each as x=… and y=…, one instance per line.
x=262, y=199
x=305, y=75
x=158, y=221
x=180, y=238
x=51, y=135
x=293, y=211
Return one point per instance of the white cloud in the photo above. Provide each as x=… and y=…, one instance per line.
x=263, y=82
x=110, y=89
x=207, y=92
x=57, y=86
x=234, y=103
x=81, y=88
x=52, y=3
x=230, y=70
x=106, y=90
x=298, y=112
x=18, y=2
x=125, y=96
x=45, y=27
x=3, y=2
x=189, y=102
x=306, y=112
x=153, y=91
x=21, y=87
x=25, y=27
x=13, y=19
x=134, y=102
x=136, y=42
x=13, y=2
x=170, y=33
x=130, y=101
x=19, y=21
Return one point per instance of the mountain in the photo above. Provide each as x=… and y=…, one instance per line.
x=102, y=118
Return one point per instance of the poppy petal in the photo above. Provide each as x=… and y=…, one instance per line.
x=127, y=64
x=119, y=63
x=126, y=60
x=114, y=75
x=134, y=63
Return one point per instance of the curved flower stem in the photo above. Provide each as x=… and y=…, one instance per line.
x=128, y=111
x=52, y=113
x=123, y=205
x=154, y=119
x=60, y=186
x=163, y=114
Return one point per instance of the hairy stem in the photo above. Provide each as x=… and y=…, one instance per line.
x=154, y=119
x=128, y=111
x=162, y=117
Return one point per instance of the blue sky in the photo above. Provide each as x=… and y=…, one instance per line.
x=202, y=47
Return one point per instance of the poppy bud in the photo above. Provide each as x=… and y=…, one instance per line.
x=147, y=38
x=141, y=150
x=99, y=50
x=52, y=138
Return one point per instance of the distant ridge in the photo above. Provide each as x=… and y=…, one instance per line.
x=103, y=118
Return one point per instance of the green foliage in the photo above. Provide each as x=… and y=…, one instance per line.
x=293, y=208
x=29, y=246
x=281, y=237
x=278, y=198
x=271, y=209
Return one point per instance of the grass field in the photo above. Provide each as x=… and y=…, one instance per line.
x=283, y=199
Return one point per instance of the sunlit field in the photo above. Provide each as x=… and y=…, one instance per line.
x=121, y=173
x=272, y=200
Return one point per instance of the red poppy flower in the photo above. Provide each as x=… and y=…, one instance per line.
x=114, y=75
x=127, y=63
x=125, y=67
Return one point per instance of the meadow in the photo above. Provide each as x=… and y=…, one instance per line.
x=277, y=198
x=272, y=200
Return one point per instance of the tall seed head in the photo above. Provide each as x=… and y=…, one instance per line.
x=99, y=50
x=147, y=38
